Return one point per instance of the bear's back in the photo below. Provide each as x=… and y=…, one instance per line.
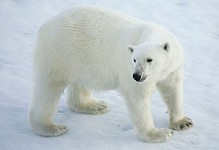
x=95, y=15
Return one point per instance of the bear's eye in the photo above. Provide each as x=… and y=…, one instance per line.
x=149, y=60
x=134, y=60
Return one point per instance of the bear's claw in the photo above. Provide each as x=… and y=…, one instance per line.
x=182, y=124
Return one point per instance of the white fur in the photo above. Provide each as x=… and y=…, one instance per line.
x=85, y=49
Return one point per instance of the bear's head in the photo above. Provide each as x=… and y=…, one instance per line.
x=148, y=59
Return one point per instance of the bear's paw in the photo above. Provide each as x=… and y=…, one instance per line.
x=52, y=130
x=183, y=124
x=158, y=135
x=93, y=107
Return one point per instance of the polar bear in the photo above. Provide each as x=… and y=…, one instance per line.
x=91, y=48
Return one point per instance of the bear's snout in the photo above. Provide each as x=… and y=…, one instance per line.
x=138, y=77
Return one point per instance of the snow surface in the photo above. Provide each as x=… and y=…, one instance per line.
x=195, y=23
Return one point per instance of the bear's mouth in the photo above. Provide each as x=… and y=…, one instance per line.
x=143, y=78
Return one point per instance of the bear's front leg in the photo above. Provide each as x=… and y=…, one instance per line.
x=171, y=90
x=140, y=111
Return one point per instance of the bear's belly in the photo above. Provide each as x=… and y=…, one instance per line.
x=101, y=85
x=97, y=79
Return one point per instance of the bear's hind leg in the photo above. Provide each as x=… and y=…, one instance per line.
x=43, y=106
x=80, y=100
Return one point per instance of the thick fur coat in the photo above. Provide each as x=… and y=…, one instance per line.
x=90, y=48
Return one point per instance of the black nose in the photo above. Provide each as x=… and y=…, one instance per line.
x=137, y=77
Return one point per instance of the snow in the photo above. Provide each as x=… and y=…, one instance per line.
x=195, y=23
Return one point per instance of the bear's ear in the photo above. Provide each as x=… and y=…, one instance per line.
x=131, y=49
x=165, y=46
